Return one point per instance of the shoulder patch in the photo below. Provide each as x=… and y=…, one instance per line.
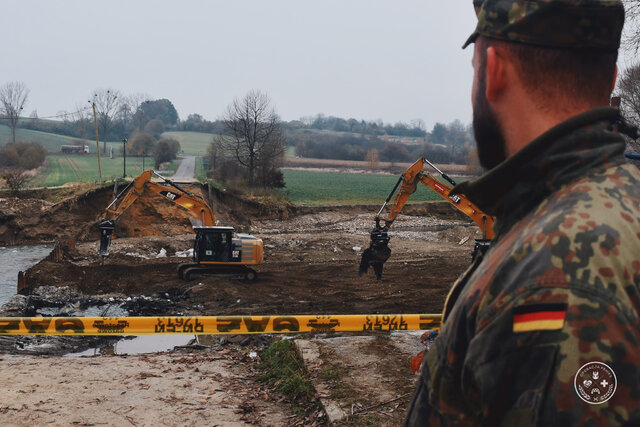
x=538, y=317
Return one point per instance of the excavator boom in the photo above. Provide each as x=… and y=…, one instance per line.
x=193, y=203
x=378, y=252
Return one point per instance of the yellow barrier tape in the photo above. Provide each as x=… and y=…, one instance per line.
x=214, y=325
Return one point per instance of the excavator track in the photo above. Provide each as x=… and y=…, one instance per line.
x=189, y=271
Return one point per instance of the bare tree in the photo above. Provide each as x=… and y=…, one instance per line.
x=631, y=35
x=628, y=89
x=13, y=97
x=129, y=111
x=82, y=119
x=16, y=179
x=254, y=133
x=373, y=159
x=107, y=103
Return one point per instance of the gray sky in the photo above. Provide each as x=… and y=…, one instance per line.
x=368, y=59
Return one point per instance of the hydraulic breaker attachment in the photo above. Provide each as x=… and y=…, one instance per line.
x=106, y=227
x=377, y=253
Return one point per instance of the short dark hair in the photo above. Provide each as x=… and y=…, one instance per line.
x=552, y=75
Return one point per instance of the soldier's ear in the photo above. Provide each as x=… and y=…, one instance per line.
x=496, y=78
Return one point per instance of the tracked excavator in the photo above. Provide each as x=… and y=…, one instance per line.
x=217, y=250
x=379, y=252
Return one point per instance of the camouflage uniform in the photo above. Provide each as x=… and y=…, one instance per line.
x=567, y=239
x=568, y=232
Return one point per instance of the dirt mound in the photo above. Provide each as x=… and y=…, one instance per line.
x=17, y=215
x=24, y=221
x=236, y=209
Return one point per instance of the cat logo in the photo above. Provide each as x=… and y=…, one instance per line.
x=170, y=195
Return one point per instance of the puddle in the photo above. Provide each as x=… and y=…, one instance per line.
x=139, y=344
x=14, y=259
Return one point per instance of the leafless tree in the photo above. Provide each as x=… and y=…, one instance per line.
x=373, y=159
x=254, y=134
x=107, y=103
x=13, y=97
x=629, y=91
x=82, y=119
x=631, y=35
x=16, y=179
x=129, y=110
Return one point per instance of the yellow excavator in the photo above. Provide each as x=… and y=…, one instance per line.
x=217, y=250
x=379, y=252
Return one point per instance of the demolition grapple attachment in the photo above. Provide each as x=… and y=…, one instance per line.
x=377, y=253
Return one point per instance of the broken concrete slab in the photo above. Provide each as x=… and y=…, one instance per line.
x=368, y=377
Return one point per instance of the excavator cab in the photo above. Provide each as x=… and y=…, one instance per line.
x=213, y=244
x=219, y=251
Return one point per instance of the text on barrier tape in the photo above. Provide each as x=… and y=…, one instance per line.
x=215, y=325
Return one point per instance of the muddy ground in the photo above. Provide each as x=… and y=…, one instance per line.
x=311, y=255
x=310, y=267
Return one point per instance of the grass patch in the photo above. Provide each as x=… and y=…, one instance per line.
x=335, y=188
x=192, y=143
x=283, y=369
x=339, y=389
x=200, y=173
x=61, y=169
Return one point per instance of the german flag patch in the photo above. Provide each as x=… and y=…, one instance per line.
x=539, y=317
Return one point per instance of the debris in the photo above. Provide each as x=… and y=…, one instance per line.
x=357, y=248
x=463, y=241
x=185, y=254
x=162, y=253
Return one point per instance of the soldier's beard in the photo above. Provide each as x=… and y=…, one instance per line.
x=487, y=131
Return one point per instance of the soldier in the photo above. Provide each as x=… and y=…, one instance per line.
x=545, y=330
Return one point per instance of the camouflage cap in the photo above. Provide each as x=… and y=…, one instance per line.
x=569, y=24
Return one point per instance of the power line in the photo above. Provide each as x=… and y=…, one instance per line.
x=50, y=117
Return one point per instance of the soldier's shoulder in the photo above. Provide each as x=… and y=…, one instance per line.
x=585, y=235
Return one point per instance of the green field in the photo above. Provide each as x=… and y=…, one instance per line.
x=50, y=141
x=77, y=168
x=306, y=188
x=334, y=188
x=193, y=143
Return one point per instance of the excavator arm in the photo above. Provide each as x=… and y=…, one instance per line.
x=378, y=252
x=193, y=203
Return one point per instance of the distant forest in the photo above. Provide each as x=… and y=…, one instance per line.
x=320, y=136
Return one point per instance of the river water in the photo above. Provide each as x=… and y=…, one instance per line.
x=19, y=258
x=14, y=259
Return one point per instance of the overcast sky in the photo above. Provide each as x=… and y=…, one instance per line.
x=368, y=59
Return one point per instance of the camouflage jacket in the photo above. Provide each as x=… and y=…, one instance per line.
x=560, y=287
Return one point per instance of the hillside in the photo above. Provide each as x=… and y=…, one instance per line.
x=50, y=141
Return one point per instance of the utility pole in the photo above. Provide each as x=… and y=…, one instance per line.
x=124, y=153
x=95, y=122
